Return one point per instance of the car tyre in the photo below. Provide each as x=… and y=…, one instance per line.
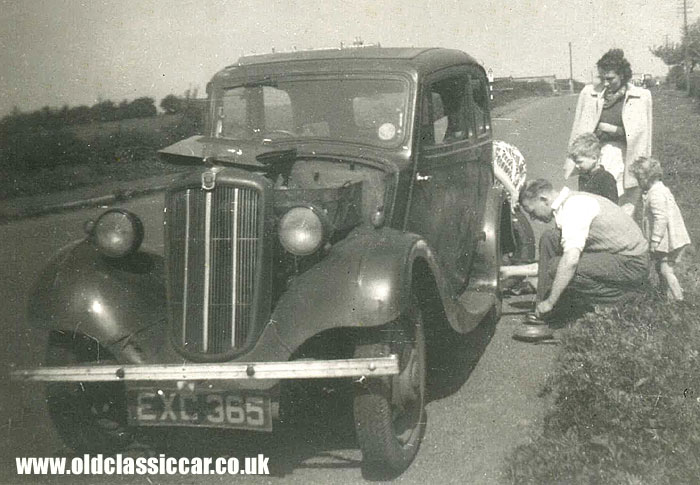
x=390, y=411
x=90, y=417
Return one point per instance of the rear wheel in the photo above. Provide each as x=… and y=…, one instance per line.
x=524, y=238
x=390, y=411
x=90, y=416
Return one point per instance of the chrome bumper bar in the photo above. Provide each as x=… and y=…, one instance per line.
x=305, y=369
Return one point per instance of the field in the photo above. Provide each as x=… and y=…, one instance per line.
x=37, y=161
x=625, y=396
x=157, y=124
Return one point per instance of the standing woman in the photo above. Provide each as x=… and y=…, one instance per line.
x=619, y=113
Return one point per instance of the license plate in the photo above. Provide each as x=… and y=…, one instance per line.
x=206, y=408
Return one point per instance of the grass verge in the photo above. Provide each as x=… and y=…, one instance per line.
x=626, y=390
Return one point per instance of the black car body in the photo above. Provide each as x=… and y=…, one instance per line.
x=336, y=198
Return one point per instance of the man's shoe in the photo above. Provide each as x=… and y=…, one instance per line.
x=533, y=333
x=531, y=318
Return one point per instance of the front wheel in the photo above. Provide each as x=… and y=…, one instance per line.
x=90, y=417
x=390, y=411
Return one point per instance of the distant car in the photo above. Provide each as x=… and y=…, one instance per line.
x=648, y=81
x=341, y=209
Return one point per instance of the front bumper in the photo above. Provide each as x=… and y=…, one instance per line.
x=241, y=371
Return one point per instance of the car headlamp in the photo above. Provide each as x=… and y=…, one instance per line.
x=116, y=233
x=302, y=230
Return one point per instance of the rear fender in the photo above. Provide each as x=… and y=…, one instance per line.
x=483, y=294
x=118, y=303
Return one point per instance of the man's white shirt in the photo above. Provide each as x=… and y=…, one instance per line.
x=573, y=214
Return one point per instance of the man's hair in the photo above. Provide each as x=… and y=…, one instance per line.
x=614, y=60
x=648, y=166
x=585, y=145
x=533, y=189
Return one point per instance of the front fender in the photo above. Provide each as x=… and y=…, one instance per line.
x=364, y=282
x=119, y=303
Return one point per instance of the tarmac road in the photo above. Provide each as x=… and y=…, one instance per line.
x=479, y=411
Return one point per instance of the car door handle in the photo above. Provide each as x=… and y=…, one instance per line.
x=422, y=178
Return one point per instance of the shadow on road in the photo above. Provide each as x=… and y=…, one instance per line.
x=316, y=431
x=454, y=356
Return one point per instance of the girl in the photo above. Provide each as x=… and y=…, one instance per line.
x=662, y=224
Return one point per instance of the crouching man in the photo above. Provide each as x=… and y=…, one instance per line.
x=595, y=254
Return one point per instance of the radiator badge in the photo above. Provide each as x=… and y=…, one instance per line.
x=208, y=180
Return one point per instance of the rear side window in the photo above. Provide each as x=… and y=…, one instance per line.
x=480, y=97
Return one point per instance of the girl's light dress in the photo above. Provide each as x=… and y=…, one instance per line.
x=663, y=222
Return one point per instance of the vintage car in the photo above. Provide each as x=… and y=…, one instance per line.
x=337, y=199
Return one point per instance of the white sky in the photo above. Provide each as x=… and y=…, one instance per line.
x=55, y=52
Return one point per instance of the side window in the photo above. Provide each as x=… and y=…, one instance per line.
x=481, y=104
x=445, y=108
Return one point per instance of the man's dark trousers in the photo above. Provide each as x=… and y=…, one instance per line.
x=600, y=278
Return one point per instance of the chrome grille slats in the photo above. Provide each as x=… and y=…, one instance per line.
x=214, y=241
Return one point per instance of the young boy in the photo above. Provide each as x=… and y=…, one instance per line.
x=592, y=176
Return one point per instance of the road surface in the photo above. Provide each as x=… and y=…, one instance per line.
x=478, y=414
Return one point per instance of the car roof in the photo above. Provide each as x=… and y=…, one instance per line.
x=419, y=59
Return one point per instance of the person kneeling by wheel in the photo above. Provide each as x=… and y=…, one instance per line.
x=595, y=254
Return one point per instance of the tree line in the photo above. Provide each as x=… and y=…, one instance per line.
x=682, y=58
x=46, y=139
x=50, y=118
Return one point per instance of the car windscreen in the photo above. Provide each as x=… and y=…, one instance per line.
x=368, y=111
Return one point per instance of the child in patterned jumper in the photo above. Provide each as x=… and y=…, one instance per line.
x=662, y=224
x=592, y=176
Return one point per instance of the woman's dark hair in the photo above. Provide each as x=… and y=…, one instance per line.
x=614, y=60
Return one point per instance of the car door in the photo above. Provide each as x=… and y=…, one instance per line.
x=452, y=174
x=483, y=134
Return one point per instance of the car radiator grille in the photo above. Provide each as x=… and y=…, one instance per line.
x=214, y=241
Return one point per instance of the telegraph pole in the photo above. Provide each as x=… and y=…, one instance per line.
x=571, y=69
x=685, y=38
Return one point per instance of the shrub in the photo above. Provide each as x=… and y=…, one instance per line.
x=191, y=122
x=126, y=146
x=676, y=77
x=626, y=384
x=695, y=84
x=171, y=104
x=37, y=148
x=627, y=401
